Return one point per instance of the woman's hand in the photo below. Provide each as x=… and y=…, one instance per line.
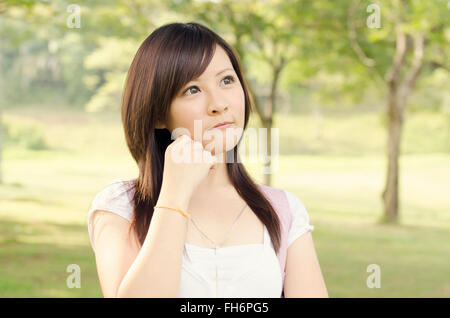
x=186, y=164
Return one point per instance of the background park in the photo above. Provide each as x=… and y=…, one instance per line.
x=359, y=91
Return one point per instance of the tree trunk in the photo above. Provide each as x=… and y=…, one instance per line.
x=391, y=190
x=267, y=165
x=268, y=115
x=398, y=92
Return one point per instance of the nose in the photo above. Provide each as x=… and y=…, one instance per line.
x=216, y=109
x=216, y=103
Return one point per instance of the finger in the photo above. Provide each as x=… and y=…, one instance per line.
x=185, y=138
x=198, y=145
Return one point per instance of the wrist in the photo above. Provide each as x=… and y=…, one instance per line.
x=173, y=199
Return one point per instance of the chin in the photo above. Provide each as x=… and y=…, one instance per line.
x=221, y=147
x=222, y=153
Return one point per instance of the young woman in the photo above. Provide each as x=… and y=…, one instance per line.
x=195, y=229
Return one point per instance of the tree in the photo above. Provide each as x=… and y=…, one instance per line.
x=411, y=27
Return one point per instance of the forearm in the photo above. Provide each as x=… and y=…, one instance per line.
x=156, y=271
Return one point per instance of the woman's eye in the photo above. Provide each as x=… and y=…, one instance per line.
x=231, y=78
x=189, y=89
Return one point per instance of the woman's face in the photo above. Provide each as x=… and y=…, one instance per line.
x=215, y=97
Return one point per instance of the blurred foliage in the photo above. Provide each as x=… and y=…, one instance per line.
x=106, y=70
x=21, y=132
x=43, y=60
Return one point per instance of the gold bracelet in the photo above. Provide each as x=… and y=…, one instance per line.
x=178, y=210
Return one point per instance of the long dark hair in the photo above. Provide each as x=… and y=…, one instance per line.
x=170, y=57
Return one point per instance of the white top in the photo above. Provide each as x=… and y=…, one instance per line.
x=250, y=270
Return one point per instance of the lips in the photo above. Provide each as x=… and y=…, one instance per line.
x=219, y=125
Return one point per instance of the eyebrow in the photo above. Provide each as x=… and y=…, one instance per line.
x=227, y=69
x=224, y=71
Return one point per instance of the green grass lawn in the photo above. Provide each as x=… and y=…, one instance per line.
x=338, y=176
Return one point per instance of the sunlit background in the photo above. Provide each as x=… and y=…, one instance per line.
x=335, y=77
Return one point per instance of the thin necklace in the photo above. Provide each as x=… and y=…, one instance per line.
x=215, y=245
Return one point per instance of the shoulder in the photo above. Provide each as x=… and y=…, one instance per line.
x=300, y=223
x=279, y=200
x=291, y=202
x=116, y=197
x=294, y=202
x=270, y=192
x=277, y=193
